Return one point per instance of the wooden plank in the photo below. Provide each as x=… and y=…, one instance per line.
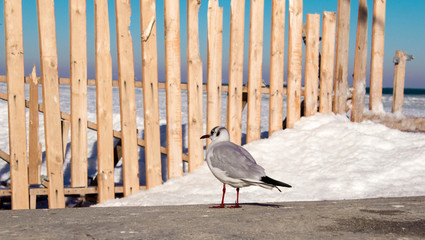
x=277, y=51
x=16, y=104
x=127, y=97
x=341, y=58
x=214, y=76
x=234, y=99
x=312, y=64
x=327, y=62
x=173, y=90
x=4, y=156
x=139, y=84
x=294, y=62
x=78, y=81
x=105, y=144
x=194, y=85
x=377, y=57
x=255, y=70
x=65, y=125
x=399, y=76
x=150, y=94
x=35, y=153
x=360, y=64
x=52, y=125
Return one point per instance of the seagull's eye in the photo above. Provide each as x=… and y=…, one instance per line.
x=218, y=133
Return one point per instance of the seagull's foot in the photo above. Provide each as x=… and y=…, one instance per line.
x=235, y=206
x=219, y=206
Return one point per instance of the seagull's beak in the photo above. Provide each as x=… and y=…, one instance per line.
x=205, y=136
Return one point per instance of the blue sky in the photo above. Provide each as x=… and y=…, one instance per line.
x=404, y=31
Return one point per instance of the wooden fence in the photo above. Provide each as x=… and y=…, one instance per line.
x=332, y=94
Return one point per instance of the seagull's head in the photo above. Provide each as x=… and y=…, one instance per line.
x=218, y=134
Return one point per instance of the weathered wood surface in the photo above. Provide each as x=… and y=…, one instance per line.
x=327, y=62
x=360, y=64
x=194, y=85
x=34, y=151
x=16, y=103
x=173, y=89
x=399, y=77
x=377, y=56
x=311, y=64
x=294, y=62
x=105, y=141
x=255, y=70
x=78, y=78
x=276, y=66
x=234, y=101
x=214, y=74
x=130, y=154
x=341, y=56
x=52, y=122
x=150, y=94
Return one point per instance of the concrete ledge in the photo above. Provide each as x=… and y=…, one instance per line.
x=382, y=218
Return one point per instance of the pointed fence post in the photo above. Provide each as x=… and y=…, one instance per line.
x=173, y=88
x=234, y=99
x=294, y=62
x=78, y=79
x=16, y=103
x=35, y=154
x=277, y=51
x=194, y=87
x=312, y=64
x=327, y=62
x=52, y=118
x=399, y=77
x=341, y=58
x=360, y=64
x=127, y=98
x=377, y=58
x=105, y=140
x=150, y=93
x=214, y=79
x=255, y=71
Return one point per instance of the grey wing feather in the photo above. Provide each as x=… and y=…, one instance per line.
x=236, y=161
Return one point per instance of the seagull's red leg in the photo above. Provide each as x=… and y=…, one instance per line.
x=222, y=198
x=237, y=199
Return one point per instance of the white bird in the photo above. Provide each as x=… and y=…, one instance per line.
x=234, y=165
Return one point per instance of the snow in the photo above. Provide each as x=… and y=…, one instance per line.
x=324, y=157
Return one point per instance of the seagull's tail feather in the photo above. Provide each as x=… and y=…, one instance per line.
x=275, y=183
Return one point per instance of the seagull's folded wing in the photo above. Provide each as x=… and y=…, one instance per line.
x=236, y=162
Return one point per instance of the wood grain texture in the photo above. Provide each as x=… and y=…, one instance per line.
x=52, y=123
x=236, y=52
x=377, y=56
x=105, y=141
x=341, y=56
x=255, y=70
x=294, y=62
x=78, y=78
x=360, y=64
x=327, y=62
x=194, y=85
x=127, y=98
x=276, y=66
x=16, y=104
x=150, y=95
x=173, y=89
x=312, y=64
x=215, y=58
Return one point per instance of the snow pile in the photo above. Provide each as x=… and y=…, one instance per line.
x=324, y=157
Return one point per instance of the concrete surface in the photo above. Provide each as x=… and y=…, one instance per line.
x=389, y=218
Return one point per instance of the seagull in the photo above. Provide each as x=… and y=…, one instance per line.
x=234, y=165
